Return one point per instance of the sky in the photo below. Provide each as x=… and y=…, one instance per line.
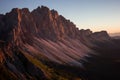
x=96, y=15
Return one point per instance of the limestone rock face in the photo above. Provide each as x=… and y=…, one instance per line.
x=29, y=38
x=52, y=25
x=21, y=24
x=102, y=35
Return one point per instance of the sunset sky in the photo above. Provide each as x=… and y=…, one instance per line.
x=96, y=15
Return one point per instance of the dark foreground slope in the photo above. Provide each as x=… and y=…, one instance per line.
x=105, y=64
x=43, y=45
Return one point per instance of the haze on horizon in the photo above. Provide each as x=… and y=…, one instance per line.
x=96, y=15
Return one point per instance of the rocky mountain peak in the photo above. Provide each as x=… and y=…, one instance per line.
x=25, y=10
x=15, y=10
x=42, y=9
x=54, y=14
x=86, y=32
x=41, y=22
x=102, y=35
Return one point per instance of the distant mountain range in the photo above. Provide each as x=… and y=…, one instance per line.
x=43, y=45
x=115, y=35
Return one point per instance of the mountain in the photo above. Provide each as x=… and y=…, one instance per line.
x=43, y=45
x=115, y=35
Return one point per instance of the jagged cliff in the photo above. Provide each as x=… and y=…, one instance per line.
x=30, y=39
x=42, y=23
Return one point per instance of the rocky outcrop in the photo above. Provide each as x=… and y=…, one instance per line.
x=86, y=32
x=103, y=35
x=52, y=25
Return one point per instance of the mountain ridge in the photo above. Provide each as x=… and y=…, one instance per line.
x=40, y=37
x=56, y=24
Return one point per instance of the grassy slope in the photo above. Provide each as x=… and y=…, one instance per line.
x=54, y=71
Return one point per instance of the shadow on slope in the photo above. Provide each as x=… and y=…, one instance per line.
x=105, y=64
